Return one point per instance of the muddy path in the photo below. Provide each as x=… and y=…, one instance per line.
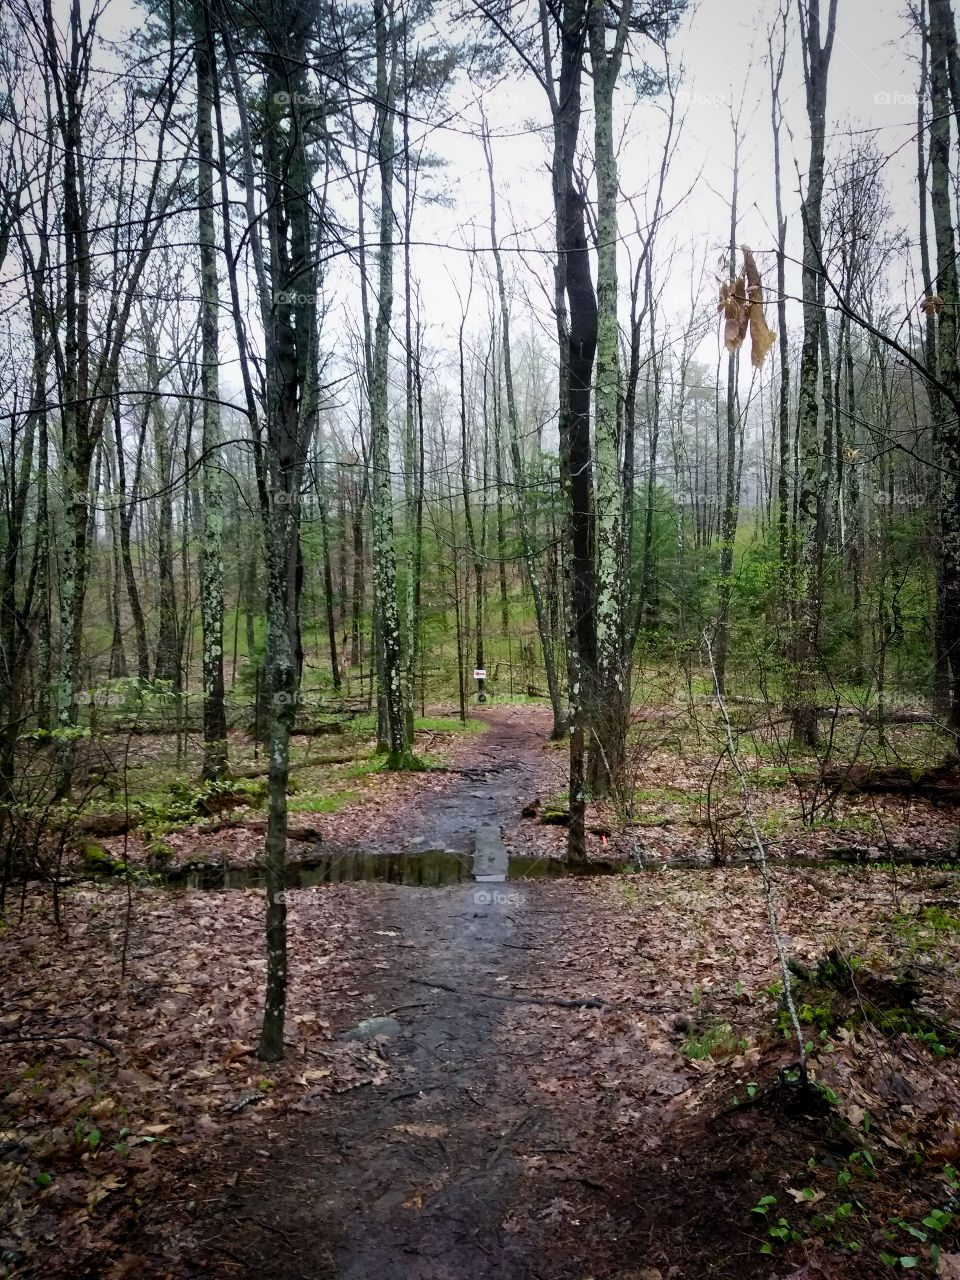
x=414, y=1179
x=581, y=1078
x=506, y=767
x=494, y=775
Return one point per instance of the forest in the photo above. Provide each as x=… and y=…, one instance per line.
x=479, y=639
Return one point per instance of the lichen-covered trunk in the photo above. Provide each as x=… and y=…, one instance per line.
x=282, y=683
x=391, y=673
x=413, y=429
x=941, y=663
x=167, y=658
x=211, y=545
x=575, y=305
x=784, y=454
x=611, y=701
x=358, y=589
x=290, y=324
x=814, y=484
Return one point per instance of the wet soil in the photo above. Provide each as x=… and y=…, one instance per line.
x=465, y=1164
x=412, y=1179
x=416, y=1178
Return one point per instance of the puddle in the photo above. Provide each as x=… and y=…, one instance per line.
x=431, y=868
x=437, y=867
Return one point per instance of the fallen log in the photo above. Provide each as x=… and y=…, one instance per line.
x=939, y=783
x=826, y=711
x=295, y=831
x=322, y=729
x=105, y=824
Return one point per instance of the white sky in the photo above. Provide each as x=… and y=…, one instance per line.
x=722, y=48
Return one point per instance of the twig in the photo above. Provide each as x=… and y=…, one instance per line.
x=508, y=1138
x=15, y=1039
x=496, y=995
x=785, y=974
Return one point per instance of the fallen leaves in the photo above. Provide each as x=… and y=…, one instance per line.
x=108, y=1129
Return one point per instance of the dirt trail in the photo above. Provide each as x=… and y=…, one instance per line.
x=414, y=1179
x=411, y=1179
x=496, y=774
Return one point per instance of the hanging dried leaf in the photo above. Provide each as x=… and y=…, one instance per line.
x=932, y=306
x=740, y=293
x=750, y=267
x=761, y=338
x=733, y=304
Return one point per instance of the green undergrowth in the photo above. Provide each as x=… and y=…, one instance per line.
x=367, y=724
x=719, y=1040
x=848, y=992
x=155, y=811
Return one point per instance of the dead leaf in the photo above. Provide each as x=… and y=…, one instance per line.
x=422, y=1130
x=807, y=1196
x=557, y=1209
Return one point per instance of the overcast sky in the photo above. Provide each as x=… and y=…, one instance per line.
x=723, y=50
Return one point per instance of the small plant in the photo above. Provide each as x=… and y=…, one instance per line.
x=764, y=1205
x=779, y=1230
x=717, y=1041
x=631, y=895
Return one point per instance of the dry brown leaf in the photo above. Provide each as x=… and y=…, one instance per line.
x=802, y=1197
x=422, y=1130
x=761, y=338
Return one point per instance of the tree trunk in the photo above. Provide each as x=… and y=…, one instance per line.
x=211, y=556
x=611, y=707
x=731, y=494
x=384, y=553
x=814, y=485
x=943, y=40
x=520, y=501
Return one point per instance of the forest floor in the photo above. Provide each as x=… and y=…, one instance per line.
x=585, y=1077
